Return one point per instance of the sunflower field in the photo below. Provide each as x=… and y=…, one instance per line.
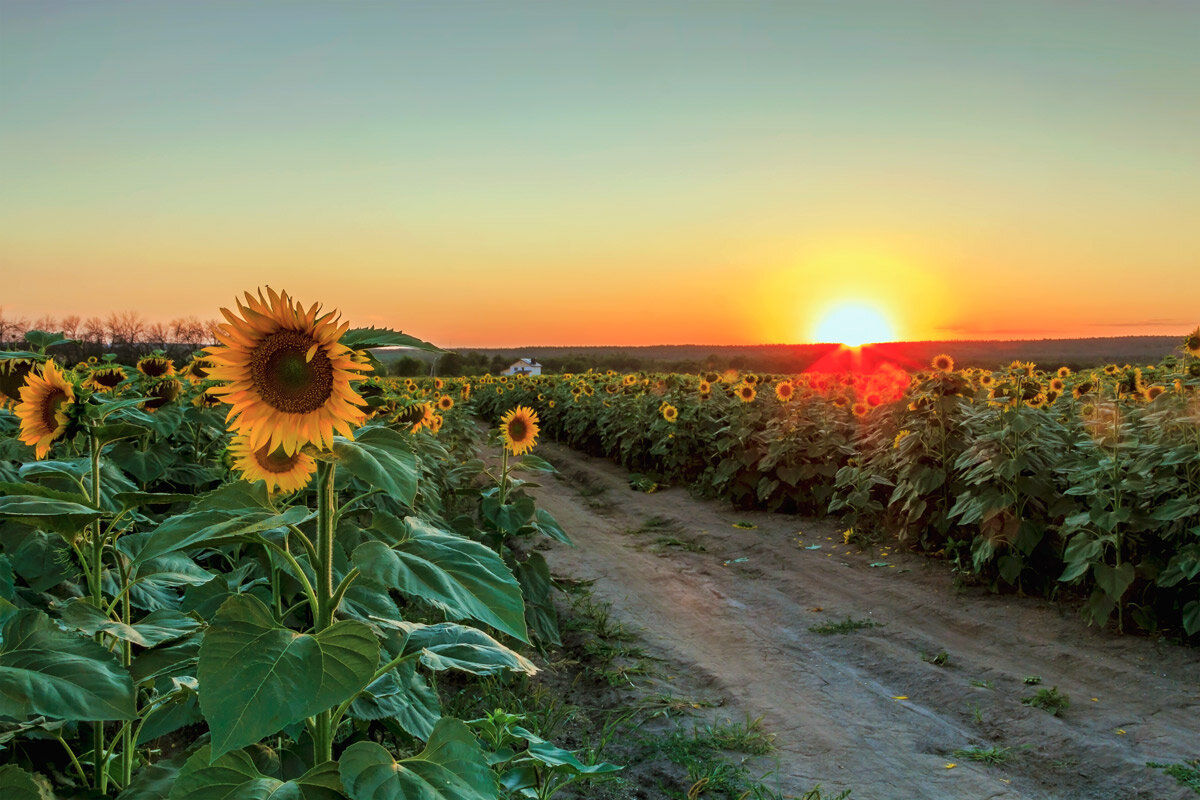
x=1081, y=485
x=245, y=575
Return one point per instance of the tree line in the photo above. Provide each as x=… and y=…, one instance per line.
x=126, y=334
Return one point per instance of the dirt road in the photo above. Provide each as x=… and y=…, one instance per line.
x=869, y=710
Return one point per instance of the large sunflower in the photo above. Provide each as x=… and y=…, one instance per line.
x=942, y=363
x=784, y=391
x=519, y=429
x=45, y=399
x=282, y=471
x=286, y=376
x=746, y=393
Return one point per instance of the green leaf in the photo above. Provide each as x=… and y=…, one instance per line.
x=234, y=776
x=448, y=645
x=404, y=695
x=545, y=522
x=1191, y=617
x=451, y=767
x=160, y=626
x=1113, y=580
x=62, y=516
x=533, y=463
x=381, y=458
x=256, y=677
x=37, y=490
x=47, y=671
x=546, y=753
x=365, y=338
x=208, y=527
x=43, y=340
x=17, y=784
x=460, y=576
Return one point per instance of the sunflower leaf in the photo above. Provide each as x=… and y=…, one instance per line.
x=47, y=671
x=62, y=516
x=365, y=338
x=235, y=775
x=17, y=784
x=451, y=767
x=459, y=575
x=207, y=527
x=257, y=677
x=381, y=458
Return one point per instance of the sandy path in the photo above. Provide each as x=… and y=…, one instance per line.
x=742, y=628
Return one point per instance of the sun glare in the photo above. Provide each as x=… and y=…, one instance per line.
x=854, y=324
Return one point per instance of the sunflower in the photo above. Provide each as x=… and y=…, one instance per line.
x=1057, y=385
x=438, y=383
x=860, y=409
x=421, y=416
x=45, y=400
x=705, y=388
x=942, y=363
x=1151, y=392
x=283, y=472
x=784, y=391
x=13, y=372
x=435, y=424
x=445, y=402
x=156, y=366
x=466, y=391
x=1063, y=372
x=1191, y=342
x=669, y=412
x=286, y=375
x=519, y=429
x=1111, y=369
x=161, y=393
x=746, y=393
x=197, y=368
x=629, y=380
x=105, y=379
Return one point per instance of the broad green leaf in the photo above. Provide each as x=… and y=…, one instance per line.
x=234, y=776
x=460, y=576
x=181, y=710
x=50, y=672
x=154, y=781
x=210, y=527
x=403, y=695
x=546, y=753
x=17, y=784
x=369, y=338
x=533, y=574
x=381, y=458
x=257, y=677
x=44, y=340
x=448, y=645
x=62, y=516
x=545, y=522
x=451, y=767
x=37, y=490
x=1113, y=580
x=153, y=629
x=1191, y=617
x=533, y=463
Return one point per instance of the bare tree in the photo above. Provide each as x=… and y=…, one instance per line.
x=95, y=331
x=70, y=325
x=12, y=329
x=188, y=331
x=157, y=335
x=126, y=329
x=45, y=323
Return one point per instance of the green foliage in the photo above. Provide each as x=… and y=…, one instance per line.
x=848, y=625
x=1187, y=773
x=1050, y=700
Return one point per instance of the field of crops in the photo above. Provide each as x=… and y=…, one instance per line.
x=241, y=576
x=1035, y=481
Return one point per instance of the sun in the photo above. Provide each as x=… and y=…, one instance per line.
x=854, y=324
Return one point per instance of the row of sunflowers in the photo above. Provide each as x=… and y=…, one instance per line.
x=242, y=576
x=1084, y=484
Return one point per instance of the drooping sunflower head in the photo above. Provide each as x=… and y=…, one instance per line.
x=13, y=372
x=942, y=363
x=1191, y=342
x=519, y=429
x=162, y=393
x=156, y=366
x=669, y=412
x=46, y=399
x=1151, y=392
x=445, y=402
x=282, y=471
x=105, y=379
x=746, y=393
x=286, y=376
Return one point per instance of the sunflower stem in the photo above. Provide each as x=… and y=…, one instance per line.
x=326, y=511
x=100, y=763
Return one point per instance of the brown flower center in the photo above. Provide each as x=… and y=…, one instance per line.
x=286, y=378
x=50, y=407
x=276, y=461
x=517, y=430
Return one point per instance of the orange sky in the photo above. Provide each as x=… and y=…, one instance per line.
x=611, y=174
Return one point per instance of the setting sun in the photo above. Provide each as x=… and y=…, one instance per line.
x=854, y=324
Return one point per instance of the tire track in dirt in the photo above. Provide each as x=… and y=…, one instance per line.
x=743, y=628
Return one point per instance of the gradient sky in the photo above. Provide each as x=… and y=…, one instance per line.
x=641, y=172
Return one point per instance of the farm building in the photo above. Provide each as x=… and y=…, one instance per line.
x=525, y=366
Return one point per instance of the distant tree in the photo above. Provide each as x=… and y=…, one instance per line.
x=126, y=330
x=450, y=364
x=409, y=367
x=12, y=329
x=69, y=325
x=95, y=332
x=46, y=323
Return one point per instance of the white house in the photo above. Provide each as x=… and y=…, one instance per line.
x=526, y=366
